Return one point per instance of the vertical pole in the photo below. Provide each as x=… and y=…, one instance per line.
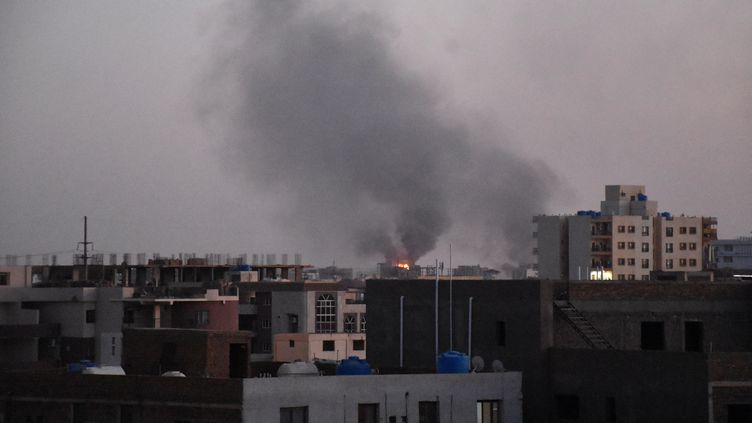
x=436, y=312
x=470, y=327
x=451, y=343
x=402, y=328
x=86, y=249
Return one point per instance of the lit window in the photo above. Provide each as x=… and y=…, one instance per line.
x=620, y=228
x=669, y=264
x=682, y=246
x=692, y=246
x=620, y=245
x=487, y=412
x=692, y=262
x=631, y=262
x=682, y=262
x=669, y=247
x=630, y=277
x=645, y=247
x=645, y=230
x=326, y=314
x=620, y=261
x=631, y=229
x=363, y=323
x=630, y=245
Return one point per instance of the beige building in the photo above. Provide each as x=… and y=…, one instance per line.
x=318, y=346
x=626, y=240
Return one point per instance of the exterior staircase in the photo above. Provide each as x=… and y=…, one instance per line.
x=582, y=326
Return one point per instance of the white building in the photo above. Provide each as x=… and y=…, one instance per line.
x=469, y=397
x=733, y=254
x=626, y=239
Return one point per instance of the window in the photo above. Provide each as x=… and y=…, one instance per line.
x=568, y=407
x=683, y=246
x=645, y=247
x=202, y=318
x=692, y=230
x=620, y=228
x=359, y=345
x=620, y=277
x=692, y=246
x=651, y=335
x=326, y=314
x=266, y=347
x=488, y=411
x=631, y=229
x=501, y=333
x=683, y=230
x=645, y=263
x=620, y=245
x=630, y=277
x=693, y=336
x=669, y=264
x=630, y=245
x=363, y=323
x=128, y=316
x=669, y=247
x=293, y=415
x=728, y=248
x=291, y=343
x=739, y=413
x=327, y=345
x=645, y=277
x=728, y=259
x=267, y=299
x=693, y=262
x=368, y=413
x=4, y=278
x=669, y=231
x=428, y=412
x=91, y=316
x=682, y=262
x=350, y=323
x=610, y=409
x=646, y=231
x=292, y=323
x=631, y=262
x=266, y=324
x=621, y=261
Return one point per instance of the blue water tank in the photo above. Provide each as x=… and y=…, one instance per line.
x=642, y=197
x=582, y=213
x=453, y=362
x=353, y=366
x=665, y=214
x=241, y=268
x=80, y=366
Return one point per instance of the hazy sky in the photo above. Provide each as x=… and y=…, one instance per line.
x=147, y=117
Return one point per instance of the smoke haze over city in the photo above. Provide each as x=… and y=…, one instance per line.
x=353, y=132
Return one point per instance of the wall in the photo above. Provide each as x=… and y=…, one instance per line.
x=223, y=315
x=552, y=246
x=17, y=276
x=645, y=386
x=336, y=398
x=309, y=346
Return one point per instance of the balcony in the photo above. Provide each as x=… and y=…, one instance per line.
x=43, y=330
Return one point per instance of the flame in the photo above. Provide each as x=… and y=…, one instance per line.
x=403, y=266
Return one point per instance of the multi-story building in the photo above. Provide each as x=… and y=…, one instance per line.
x=303, y=320
x=627, y=239
x=733, y=254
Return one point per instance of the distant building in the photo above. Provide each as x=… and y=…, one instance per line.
x=627, y=240
x=735, y=254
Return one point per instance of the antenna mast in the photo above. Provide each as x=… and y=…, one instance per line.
x=86, y=244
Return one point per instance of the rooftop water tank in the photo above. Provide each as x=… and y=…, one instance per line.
x=353, y=366
x=80, y=366
x=241, y=268
x=297, y=368
x=453, y=362
x=642, y=197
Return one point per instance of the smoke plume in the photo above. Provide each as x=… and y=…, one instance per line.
x=325, y=121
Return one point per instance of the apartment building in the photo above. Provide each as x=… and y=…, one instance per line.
x=733, y=254
x=626, y=240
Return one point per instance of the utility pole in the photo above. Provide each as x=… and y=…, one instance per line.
x=86, y=243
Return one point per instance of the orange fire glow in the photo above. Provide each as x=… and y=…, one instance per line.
x=403, y=266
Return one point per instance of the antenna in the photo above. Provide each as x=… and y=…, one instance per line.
x=450, y=299
x=86, y=244
x=477, y=363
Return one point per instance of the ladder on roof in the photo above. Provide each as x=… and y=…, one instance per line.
x=582, y=326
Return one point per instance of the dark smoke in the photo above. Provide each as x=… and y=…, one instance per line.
x=331, y=124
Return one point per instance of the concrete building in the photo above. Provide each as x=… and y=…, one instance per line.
x=195, y=353
x=733, y=254
x=580, y=345
x=482, y=398
x=328, y=311
x=312, y=347
x=627, y=240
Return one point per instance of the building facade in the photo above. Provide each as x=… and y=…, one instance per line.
x=733, y=254
x=626, y=240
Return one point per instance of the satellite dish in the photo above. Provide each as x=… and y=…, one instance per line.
x=498, y=366
x=477, y=363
